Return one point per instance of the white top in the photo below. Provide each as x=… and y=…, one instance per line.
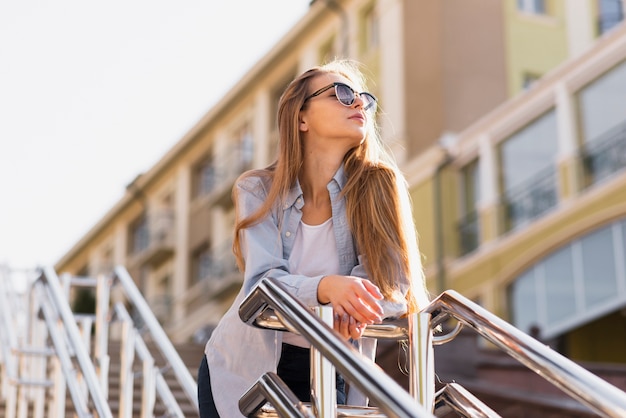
x=314, y=253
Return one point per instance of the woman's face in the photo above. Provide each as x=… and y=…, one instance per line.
x=326, y=120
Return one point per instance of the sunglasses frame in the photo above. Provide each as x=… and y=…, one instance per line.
x=372, y=102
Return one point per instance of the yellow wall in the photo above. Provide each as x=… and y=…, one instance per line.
x=534, y=44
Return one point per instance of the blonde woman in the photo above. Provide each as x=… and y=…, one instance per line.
x=331, y=220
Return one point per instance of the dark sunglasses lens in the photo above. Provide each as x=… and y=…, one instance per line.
x=345, y=94
x=369, y=102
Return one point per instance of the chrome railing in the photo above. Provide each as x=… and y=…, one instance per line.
x=582, y=385
x=270, y=306
x=35, y=376
x=160, y=338
x=67, y=340
x=392, y=399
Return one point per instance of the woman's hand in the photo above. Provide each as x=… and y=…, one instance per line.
x=348, y=327
x=354, y=301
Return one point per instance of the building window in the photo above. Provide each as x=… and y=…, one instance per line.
x=203, y=177
x=528, y=79
x=139, y=235
x=202, y=262
x=603, y=125
x=577, y=283
x=537, y=7
x=610, y=14
x=528, y=173
x=469, y=231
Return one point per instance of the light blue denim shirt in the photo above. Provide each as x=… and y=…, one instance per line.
x=238, y=354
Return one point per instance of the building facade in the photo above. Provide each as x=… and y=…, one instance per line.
x=510, y=177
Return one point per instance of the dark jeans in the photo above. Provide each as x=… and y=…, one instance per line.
x=294, y=369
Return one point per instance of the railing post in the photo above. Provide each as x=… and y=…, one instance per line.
x=421, y=360
x=323, y=383
x=101, y=350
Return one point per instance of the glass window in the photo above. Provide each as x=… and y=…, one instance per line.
x=139, y=235
x=532, y=6
x=528, y=174
x=603, y=103
x=599, y=266
x=202, y=263
x=470, y=190
x=204, y=177
x=529, y=151
x=523, y=301
x=571, y=285
x=610, y=14
x=559, y=285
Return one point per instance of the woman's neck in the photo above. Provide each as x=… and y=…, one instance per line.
x=314, y=178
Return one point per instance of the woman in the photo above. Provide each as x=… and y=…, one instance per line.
x=331, y=220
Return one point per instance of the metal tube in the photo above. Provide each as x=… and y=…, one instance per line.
x=421, y=360
x=359, y=371
x=187, y=382
x=56, y=295
x=568, y=376
x=463, y=402
x=271, y=388
x=323, y=383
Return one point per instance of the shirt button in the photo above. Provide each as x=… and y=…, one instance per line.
x=287, y=234
x=299, y=200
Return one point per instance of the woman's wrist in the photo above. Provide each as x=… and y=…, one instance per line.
x=322, y=293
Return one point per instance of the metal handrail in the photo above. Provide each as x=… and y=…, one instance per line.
x=361, y=372
x=54, y=295
x=568, y=376
x=152, y=380
x=462, y=401
x=161, y=339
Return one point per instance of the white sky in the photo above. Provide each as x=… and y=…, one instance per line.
x=94, y=93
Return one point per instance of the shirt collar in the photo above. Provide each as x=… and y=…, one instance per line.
x=295, y=193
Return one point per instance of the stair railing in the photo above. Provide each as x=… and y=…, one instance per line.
x=359, y=371
x=291, y=315
x=160, y=338
x=152, y=381
x=589, y=389
x=68, y=342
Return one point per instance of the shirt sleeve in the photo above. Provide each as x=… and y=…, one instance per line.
x=262, y=246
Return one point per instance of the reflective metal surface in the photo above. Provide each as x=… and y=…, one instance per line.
x=573, y=379
x=394, y=401
x=461, y=401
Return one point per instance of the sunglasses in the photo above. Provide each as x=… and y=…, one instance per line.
x=346, y=96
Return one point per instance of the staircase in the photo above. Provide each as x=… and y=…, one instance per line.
x=190, y=353
x=55, y=363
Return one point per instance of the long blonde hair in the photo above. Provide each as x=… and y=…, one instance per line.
x=377, y=202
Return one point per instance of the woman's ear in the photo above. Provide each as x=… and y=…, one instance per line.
x=302, y=123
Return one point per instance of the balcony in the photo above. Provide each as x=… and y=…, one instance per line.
x=225, y=172
x=216, y=276
x=529, y=200
x=158, y=240
x=604, y=156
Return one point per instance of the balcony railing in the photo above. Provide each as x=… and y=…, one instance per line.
x=226, y=169
x=605, y=155
x=156, y=238
x=530, y=199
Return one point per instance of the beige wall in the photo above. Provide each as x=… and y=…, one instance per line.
x=455, y=66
